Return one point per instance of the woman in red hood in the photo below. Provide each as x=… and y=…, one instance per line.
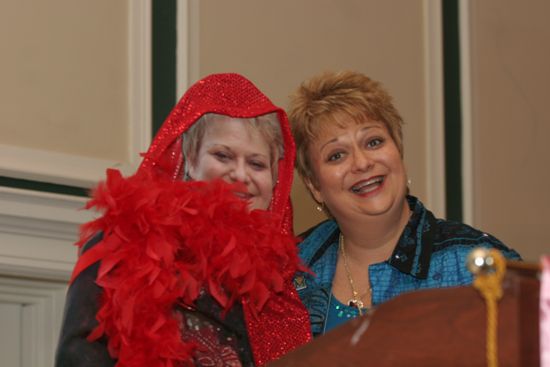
x=193, y=258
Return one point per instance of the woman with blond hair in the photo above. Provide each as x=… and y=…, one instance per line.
x=379, y=241
x=192, y=261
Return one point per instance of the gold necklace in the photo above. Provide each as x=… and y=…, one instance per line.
x=355, y=301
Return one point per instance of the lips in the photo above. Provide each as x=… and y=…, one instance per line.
x=243, y=195
x=367, y=186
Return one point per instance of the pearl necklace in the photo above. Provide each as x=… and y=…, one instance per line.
x=355, y=301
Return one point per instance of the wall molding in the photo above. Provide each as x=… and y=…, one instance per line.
x=41, y=313
x=38, y=229
x=182, y=47
x=435, y=118
x=75, y=170
x=37, y=232
x=140, y=78
x=53, y=167
x=187, y=63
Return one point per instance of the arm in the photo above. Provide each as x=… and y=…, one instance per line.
x=81, y=305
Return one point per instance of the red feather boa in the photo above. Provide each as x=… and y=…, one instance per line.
x=162, y=242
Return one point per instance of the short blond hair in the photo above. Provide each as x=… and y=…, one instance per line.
x=318, y=101
x=267, y=125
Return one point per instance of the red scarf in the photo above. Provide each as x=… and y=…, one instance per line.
x=162, y=242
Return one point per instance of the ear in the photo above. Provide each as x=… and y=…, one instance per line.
x=314, y=191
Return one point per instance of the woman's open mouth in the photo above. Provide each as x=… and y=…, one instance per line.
x=243, y=195
x=367, y=186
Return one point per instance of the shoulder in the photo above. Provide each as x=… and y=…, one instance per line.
x=317, y=230
x=313, y=239
x=94, y=240
x=452, y=236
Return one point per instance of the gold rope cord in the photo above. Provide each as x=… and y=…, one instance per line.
x=489, y=267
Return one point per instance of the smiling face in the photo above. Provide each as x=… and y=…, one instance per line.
x=236, y=152
x=358, y=170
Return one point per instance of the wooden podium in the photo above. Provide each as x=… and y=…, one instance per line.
x=439, y=327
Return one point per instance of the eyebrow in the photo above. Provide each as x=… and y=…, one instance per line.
x=229, y=148
x=328, y=142
x=256, y=155
x=336, y=139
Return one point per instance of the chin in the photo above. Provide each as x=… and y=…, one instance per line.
x=375, y=212
x=382, y=207
x=255, y=206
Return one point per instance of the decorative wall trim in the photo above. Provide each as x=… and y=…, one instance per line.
x=37, y=233
x=58, y=168
x=466, y=107
x=182, y=47
x=435, y=138
x=80, y=171
x=187, y=63
x=140, y=78
x=41, y=309
x=38, y=229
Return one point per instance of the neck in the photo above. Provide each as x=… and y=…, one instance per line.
x=373, y=239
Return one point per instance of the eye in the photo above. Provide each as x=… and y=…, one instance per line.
x=222, y=156
x=258, y=165
x=373, y=143
x=335, y=156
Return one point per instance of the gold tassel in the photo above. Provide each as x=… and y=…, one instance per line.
x=488, y=267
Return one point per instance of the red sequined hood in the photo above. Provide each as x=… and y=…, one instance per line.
x=226, y=94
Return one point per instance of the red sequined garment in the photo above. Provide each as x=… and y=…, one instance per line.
x=167, y=244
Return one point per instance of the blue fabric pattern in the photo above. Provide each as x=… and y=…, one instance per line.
x=431, y=253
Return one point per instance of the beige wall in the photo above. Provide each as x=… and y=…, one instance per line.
x=277, y=44
x=64, y=72
x=64, y=76
x=510, y=57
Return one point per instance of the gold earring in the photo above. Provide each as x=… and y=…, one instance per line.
x=320, y=207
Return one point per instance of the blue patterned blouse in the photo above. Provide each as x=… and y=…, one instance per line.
x=431, y=253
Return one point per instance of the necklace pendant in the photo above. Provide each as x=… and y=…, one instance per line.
x=357, y=303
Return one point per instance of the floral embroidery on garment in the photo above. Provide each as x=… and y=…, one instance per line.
x=210, y=351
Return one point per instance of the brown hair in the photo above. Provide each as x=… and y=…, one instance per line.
x=320, y=100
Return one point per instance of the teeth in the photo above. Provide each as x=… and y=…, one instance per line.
x=364, y=186
x=374, y=180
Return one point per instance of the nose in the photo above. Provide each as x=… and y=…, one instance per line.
x=239, y=173
x=361, y=161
